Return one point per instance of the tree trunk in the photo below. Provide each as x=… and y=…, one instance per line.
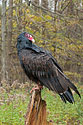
x=20, y=15
x=44, y=3
x=71, y=8
x=9, y=39
x=3, y=30
x=36, y=2
x=55, y=5
x=36, y=113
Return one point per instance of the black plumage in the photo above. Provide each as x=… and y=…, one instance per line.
x=40, y=66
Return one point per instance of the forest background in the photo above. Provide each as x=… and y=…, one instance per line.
x=56, y=25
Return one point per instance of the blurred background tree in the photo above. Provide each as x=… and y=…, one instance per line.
x=57, y=25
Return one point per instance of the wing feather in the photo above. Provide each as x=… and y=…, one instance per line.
x=44, y=68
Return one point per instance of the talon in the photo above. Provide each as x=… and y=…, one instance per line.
x=38, y=87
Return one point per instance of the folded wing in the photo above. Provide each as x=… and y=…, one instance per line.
x=45, y=69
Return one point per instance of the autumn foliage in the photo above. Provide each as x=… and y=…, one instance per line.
x=59, y=31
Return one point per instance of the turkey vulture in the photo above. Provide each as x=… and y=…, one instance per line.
x=42, y=68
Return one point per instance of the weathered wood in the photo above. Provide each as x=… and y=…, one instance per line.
x=36, y=113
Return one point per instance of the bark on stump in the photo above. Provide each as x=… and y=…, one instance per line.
x=36, y=113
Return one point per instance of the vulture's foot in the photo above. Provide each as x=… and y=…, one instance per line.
x=38, y=87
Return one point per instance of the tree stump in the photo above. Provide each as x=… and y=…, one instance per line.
x=36, y=113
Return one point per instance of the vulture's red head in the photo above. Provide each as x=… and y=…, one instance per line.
x=29, y=37
x=24, y=40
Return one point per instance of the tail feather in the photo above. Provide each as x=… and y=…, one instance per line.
x=59, y=83
x=73, y=87
x=62, y=97
x=67, y=82
x=67, y=96
x=70, y=91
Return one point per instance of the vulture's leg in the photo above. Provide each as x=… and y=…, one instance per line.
x=38, y=87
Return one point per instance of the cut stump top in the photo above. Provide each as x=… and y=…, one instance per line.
x=36, y=113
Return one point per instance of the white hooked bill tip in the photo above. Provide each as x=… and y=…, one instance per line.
x=33, y=40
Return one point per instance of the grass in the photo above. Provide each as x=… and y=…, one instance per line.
x=13, y=106
x=62, y=113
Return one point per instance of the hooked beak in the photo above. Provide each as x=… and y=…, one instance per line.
x=31, y=39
